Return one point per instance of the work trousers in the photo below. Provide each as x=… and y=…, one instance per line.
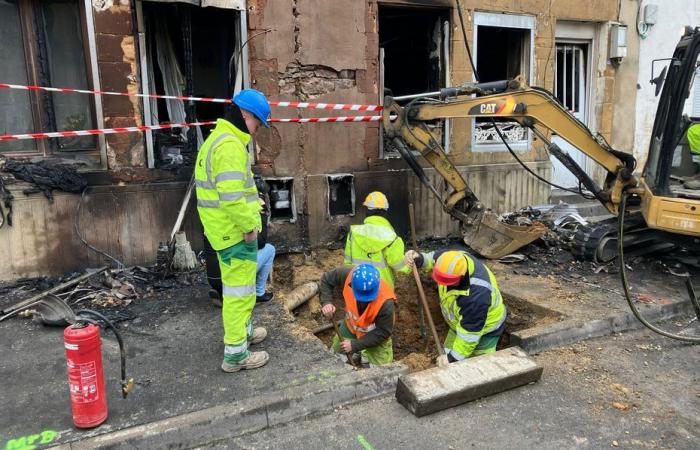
x=377, y=355
x=487, y=344
x=266, y=257
x=238, y=266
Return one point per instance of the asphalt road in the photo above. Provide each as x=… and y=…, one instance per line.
x=635, y=390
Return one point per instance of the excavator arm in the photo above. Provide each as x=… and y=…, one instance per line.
x=533, y=108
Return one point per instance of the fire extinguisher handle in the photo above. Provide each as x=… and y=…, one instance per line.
x=126, y=383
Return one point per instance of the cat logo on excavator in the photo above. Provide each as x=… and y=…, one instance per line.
x=488, y=108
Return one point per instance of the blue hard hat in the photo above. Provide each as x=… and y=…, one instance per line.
x=365, y=283
x=254, y=101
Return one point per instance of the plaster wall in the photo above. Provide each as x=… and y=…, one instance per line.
x=673, y=15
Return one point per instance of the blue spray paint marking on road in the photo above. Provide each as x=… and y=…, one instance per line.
x=363, y=442
x=31, y=441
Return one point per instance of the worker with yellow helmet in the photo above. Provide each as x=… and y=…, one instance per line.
x=375, y=242
x=470, y=301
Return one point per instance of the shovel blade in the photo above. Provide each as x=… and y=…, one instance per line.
x=493, y=239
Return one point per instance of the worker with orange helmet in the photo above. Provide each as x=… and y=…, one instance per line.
x=470, y=301
x=375, y=242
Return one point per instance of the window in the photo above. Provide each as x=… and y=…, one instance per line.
x=189, y=51
x=341, y=195
x=43, y=44
x=503, y=50
x=282, y=204
x=413, y=49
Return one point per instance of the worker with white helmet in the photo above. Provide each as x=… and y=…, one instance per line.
x=375, y=242
x=470, y=301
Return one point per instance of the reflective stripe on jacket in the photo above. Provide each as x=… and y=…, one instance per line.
x=482, y=288
x=359, y=325
x=375, y=242
x=227, y=199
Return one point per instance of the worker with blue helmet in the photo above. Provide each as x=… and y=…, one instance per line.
x=228, y=206
x=369, y=312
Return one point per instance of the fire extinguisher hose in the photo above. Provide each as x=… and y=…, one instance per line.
x=126, y=383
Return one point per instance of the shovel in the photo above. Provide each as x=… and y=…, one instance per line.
x=442, y=359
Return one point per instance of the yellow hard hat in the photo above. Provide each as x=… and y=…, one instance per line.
x=376, y=200
x=450, y=267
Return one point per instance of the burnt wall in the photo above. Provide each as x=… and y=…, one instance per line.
x=118, y=71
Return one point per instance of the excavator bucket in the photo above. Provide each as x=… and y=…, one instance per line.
x=493, y=239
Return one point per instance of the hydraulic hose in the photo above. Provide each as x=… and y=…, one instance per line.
x=625, y=285
x=127, y=384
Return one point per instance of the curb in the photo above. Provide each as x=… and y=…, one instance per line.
x=252, y=414
x=538, y=339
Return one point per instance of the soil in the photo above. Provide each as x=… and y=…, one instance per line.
x=416, y=351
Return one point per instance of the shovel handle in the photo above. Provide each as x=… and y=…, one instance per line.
x=419, y=285
x=340, y=339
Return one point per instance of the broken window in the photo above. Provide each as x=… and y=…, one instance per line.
x=43, y=45
x=282, y=205
x=189, y=51
x=341, y=195
x=413, y=49
x=504, y=48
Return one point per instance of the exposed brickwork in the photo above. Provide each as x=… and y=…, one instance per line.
x=116, y=56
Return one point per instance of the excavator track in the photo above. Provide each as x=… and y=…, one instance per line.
x=598, y=242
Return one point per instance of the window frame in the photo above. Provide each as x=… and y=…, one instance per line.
x=503, y=20
x=28, y=10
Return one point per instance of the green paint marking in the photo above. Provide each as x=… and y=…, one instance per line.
x=31, y=441
x=363, y=442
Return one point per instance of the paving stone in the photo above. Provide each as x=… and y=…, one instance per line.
x=440, y=388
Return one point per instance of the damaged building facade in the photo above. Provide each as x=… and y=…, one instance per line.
x=292, y=50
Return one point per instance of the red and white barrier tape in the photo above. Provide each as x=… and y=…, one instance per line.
x=330, y=119
x=60, y=134
x=334, y=106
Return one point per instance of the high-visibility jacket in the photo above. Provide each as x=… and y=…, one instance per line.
x=375, y=242
x=473, y=312
x=361, y=324
x=694, y=138
x=227, y=199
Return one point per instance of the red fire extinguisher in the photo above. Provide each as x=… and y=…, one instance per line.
x=85, y=371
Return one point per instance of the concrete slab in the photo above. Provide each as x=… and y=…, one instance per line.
x=439, y=388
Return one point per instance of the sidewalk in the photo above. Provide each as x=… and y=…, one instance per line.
x=174, y=353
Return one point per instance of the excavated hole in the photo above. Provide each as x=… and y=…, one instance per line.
x=409, y=347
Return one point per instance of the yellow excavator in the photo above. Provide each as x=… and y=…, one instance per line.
x=659, y=205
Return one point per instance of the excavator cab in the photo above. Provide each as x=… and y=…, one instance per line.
x=670, y=181
x=673, y=165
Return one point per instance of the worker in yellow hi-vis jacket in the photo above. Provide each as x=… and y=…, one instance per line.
x=375, y=242
x=227, y=202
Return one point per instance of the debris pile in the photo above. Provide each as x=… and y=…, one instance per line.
x=104, y=289
x=46, y=176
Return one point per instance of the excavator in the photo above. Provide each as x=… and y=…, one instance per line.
x=651, y=206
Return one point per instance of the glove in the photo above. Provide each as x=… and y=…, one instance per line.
x=410, y=258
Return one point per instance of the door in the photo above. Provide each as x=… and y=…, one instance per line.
x=571, y=88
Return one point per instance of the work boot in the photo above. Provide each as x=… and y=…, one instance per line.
x=259, y=334
x=214, y=298
x=266, y=297
x=253, y=361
